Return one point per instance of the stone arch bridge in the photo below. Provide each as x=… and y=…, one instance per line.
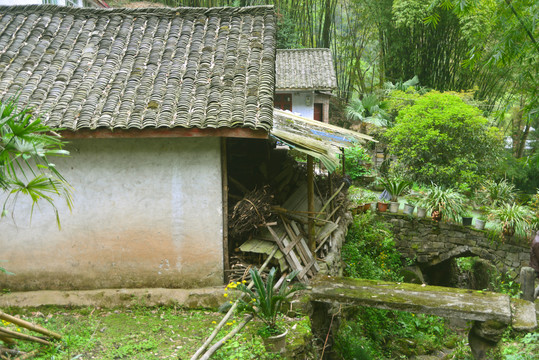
x=431, y=243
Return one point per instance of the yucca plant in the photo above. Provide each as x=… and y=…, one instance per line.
x=447, y=202
x=395, y=187
x=512, y=219
x=265, y=302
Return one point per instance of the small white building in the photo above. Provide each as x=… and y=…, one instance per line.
x=305, y=79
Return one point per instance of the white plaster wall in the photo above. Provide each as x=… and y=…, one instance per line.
x=299, y=106
x=147, y=213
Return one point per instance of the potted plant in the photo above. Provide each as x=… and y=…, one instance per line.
x=265, y=303
x=467, y=218
x=395, y=187
x=446, y=202
x=480, y=222
x=410, y=204
x=368, y=197
x=382, y=205
x=512, y=219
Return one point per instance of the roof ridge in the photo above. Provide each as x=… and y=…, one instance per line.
x=167, y=11
x=304, y=49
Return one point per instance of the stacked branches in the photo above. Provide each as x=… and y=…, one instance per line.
x=251, y=212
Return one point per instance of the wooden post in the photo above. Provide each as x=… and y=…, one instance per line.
x=343, y=158
x=310, y=202
x=224, y=179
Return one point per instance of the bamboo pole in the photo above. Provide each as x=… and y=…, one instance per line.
x=29, y=325
x=20, y=336
x=231, y=334
x=26, y=356
x=231, y=310
x=310, y=202
x=7, y=340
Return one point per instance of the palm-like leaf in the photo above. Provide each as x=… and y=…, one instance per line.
x=25, y=169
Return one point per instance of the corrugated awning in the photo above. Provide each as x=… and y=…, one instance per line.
x=315, y=138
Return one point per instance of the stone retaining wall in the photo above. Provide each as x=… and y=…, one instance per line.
x=430, y=243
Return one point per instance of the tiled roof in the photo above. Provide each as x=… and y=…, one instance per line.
x=305, y=69
x=139, y=68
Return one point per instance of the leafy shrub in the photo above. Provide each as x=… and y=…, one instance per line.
x=443, y=140
x=369, y=251
x=355, y=159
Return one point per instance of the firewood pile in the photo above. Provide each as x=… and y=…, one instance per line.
x=241, y=264
x=251, y=212
x=10, y=333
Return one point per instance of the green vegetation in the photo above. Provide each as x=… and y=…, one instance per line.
x=265, y=302
x=356, y=162
x=144, y=333
x=443, y=140
x=369, y=253
x=25, y=168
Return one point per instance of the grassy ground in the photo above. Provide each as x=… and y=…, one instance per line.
x=143, y=333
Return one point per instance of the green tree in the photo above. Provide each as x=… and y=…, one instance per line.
x=25, y=168
x=506, y=45
x=443, y=140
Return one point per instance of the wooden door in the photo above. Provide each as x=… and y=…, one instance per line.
x=283, y=101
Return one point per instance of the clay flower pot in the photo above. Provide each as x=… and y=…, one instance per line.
x=276, y=344
x=382, y=207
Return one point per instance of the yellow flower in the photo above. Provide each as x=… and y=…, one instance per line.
x=229, y=323
x=214, y=322
x=225, y=294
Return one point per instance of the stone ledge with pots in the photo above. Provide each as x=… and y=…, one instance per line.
x=429, y=243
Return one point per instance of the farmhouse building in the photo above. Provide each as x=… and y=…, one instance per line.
x=147, y=99
x=304, y=81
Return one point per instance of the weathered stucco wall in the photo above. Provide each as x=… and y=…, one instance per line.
x=147, y=213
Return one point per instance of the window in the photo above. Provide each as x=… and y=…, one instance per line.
x=49, y=2
x=72, y=3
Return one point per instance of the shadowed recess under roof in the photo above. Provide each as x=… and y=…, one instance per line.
x=140, y=68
